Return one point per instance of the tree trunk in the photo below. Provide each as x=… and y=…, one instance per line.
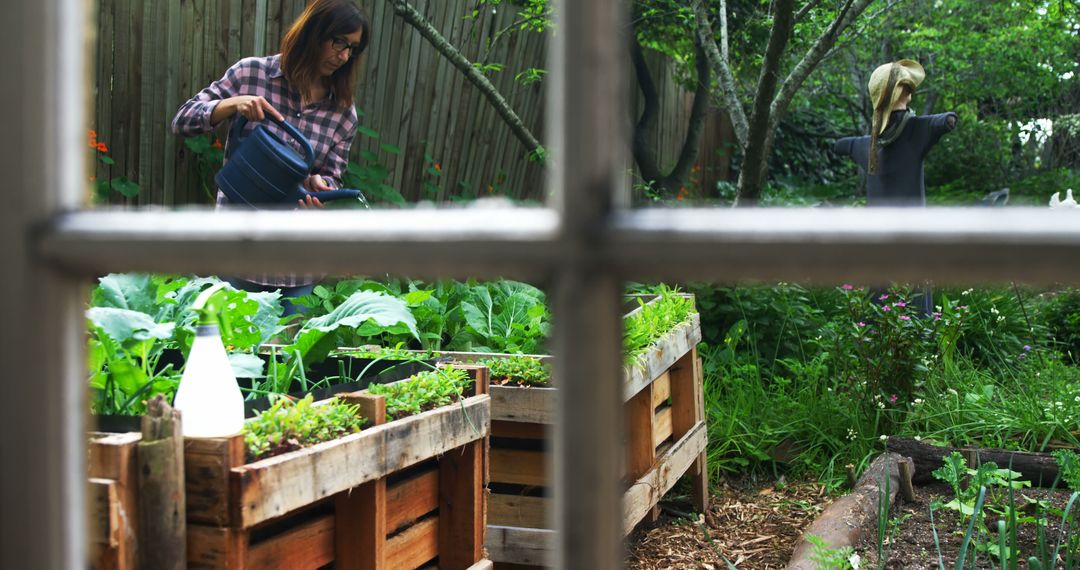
x=645, y=130
x=755, y=158
x=1039, y=468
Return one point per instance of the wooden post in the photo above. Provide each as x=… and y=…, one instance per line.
x=162, y=509
x=906, y=489
x=360, y=513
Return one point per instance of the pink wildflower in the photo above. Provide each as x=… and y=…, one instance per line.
x=860, y=324
x=886, y=308
x=900, y=304
x=892, y=399
x=847, y=287
x=883, y=298
x=905, y=318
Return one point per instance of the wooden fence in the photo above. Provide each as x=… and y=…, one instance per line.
x=153, y=56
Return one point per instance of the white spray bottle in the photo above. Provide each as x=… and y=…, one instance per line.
x=208, y=396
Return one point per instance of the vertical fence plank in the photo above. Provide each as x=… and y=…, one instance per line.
x=172, y=101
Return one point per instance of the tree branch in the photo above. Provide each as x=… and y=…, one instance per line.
x=806, y=10
x=642, y=147
x=719, y=62
x=851, y=10
x=415, y=19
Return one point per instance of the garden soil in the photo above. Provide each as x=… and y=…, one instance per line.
x=912, y=547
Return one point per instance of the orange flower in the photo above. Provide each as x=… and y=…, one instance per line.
x=93, y=134
x=438, y=167
x=217, y=142
x=102, y=148
x=680, y=197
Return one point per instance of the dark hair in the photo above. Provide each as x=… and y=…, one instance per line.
x=301, y=47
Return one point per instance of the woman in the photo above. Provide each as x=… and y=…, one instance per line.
x=900, y=139
x=309, y=84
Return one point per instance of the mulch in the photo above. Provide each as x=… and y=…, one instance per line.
x=753, y=524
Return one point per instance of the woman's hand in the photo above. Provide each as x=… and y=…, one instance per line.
x=314, y=183
x=252, y=107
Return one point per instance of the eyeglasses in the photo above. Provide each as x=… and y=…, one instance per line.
x=341, y=45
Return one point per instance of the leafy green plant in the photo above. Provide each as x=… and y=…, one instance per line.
x=290, y=425
x=503, y=316
x=826, y=557
x=423, y=391
x=209, y=153
x=136, y=319
x=121, y=184
x=654, y=320
x=519, y=370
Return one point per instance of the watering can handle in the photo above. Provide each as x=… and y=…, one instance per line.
x=238, y=128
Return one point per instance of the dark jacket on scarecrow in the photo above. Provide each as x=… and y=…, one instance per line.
x=901, y=139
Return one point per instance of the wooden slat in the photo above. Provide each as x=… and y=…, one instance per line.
x=685, y=389
x=640, y=449
x=661, y=390
x=518, y=430
x=518, y=467
x=646, y=492
x=461, y=506
x=661, y=426
x=699, y=487
x=310, y=545
x=114, y=458
x=411, y=499
x=105, y=517
x=531, y=405
x=215, y=548
x=207, y=465
x=518, y=510
x=278, y=485
x=532, y=546
x=417, y=545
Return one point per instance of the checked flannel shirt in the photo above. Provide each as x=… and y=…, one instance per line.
x=329, y=128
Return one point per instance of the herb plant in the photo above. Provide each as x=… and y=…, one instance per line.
x=654, y=320
x=519, y=370
x=289, y=425
x=424, y=391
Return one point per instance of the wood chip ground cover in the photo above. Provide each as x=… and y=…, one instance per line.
x=755, y=525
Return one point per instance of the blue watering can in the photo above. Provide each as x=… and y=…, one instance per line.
x=264, y=170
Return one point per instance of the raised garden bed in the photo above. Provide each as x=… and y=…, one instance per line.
x=402, y=494
x=665, y=440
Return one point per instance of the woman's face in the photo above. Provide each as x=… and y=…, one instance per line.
x=337, y=51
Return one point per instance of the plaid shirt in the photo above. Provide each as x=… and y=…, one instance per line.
x=328, y=127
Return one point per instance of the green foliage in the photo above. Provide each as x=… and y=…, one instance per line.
x=289, y=425
x=1061, y=313
x=826, y=557
x=135, y=318
x=654, y=320
x=1068, y=467
x=424, y=391
x=519, y=370
x=209, y=154
x=503, y=316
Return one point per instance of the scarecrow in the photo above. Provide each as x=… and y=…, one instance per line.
x=900, y=139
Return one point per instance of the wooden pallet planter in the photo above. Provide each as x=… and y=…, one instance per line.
x=113, y=500
x=666, y=439
x=401, y=495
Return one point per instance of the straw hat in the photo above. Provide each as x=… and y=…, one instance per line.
x=885, y=84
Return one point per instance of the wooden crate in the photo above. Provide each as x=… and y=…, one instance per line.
x=399, y=495
x=665, y=439
x=113, y=501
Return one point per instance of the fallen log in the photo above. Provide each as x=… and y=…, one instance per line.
x=1039, y=468
x=845, y=520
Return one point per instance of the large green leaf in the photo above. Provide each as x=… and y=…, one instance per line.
x=246, y=365
x=366, y=312
x=124, y=326
x=132, y=291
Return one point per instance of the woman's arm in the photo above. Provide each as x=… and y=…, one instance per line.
x=219, y=101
